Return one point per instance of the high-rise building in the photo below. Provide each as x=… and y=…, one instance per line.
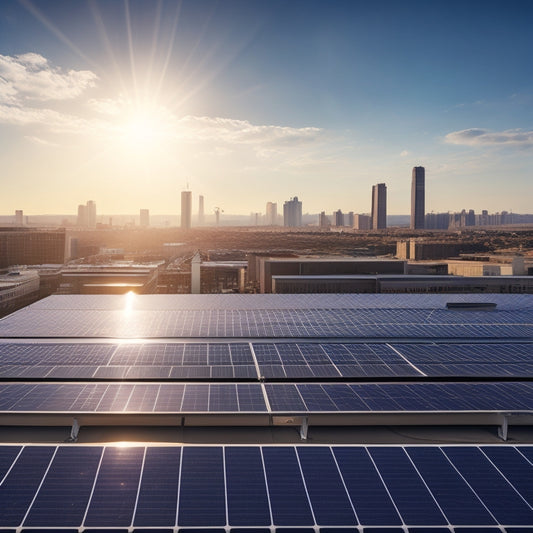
x=201, y=215
x=144, y=216
x=323, y=220
x=271, y=214
x=19, y=218
x=337, y=219
x=91, y=214
x=418, y=192
x=186, y=209
x=379, y=206
x=82, y=216
x=292, y=213
x=363, y=222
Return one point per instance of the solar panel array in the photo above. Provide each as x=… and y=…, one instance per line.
x=220, y=487
x=272, y=323
x=183, y=398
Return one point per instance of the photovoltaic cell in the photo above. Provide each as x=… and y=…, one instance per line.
x=246, y=487
x=69, y=478
x=115, y=490
x=156, y=504
x=202, y=499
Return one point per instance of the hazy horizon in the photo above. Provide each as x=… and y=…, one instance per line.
x=245, y=102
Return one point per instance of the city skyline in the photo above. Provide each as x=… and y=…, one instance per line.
x=126, y=102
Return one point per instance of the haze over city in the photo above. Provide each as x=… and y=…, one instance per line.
x=128, y=102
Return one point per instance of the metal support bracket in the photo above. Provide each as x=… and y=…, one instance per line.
x=74, y=431
x=303, y=429
x=503, y=429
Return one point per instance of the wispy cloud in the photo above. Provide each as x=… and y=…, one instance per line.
x=31, y=89
x=481, y=137
x=30, y=76
x=243, y=132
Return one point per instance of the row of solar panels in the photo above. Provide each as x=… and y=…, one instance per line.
x=252, y=398
x=260, y=486
x=256, y=323
x=158, y=361
x=277, y=301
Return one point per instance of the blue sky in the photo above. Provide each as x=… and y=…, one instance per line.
x=254, y=101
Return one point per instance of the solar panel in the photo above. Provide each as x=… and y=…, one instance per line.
x=149, y=361
x=211, y=488
x=259, y=322
x=131, y=397
x=400, y=397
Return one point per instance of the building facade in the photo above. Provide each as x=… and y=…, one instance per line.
x=186, y=209
x=292, y=213
x=271, y=214
x=379, y=206
x=144, y=216
x=418, y=192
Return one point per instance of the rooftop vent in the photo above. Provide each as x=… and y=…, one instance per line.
x=471, y=306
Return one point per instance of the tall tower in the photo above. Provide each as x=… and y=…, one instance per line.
x=418, y=193
x=91, y=214
x=271, y=213
x=186, y=209
x=201, y=215
x=144, y=217
x=379, y=206
x=19, y=218
x=292, y=213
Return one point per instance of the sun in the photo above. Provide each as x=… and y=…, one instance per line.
x=144, y=127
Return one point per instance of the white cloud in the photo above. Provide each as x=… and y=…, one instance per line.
x=106, y=106
x=404, y=153
x=243, y=132
x=30, y=76
x=481, y=137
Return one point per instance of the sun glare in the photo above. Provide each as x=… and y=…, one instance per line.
x=144, y=128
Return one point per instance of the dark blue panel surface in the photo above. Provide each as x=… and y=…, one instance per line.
x=315, y=398
x=64, y=494
x=414, y=502
x=250, y=397
x=202, y=500
x=246, y=488
x=513, y=465
x=345, y=398
x=196, y=398
x=158, y=494
x=331, y=505
x=288, y=498
x=284, y=398
x=169, y=398
x=370, y=499
x=495, y=492
x=223, y=398
x=7, y=455
x=115, y=491
x=21, y=484
x=455, y=498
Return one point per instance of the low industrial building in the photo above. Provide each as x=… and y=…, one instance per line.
x=402, y=284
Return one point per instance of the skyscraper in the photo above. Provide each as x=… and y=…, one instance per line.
x=379, y=206
x=201, y=216
x=19, y=218
x=91, y=214
x=271, y=213
x=144, y=216
x=186, y=209
x=292, y=213
x=418, y=191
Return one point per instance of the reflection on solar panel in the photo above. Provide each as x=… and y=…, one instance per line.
x=214, y=487
x=275, y=360
x=132, y=398
x=148, y=361
x=490, y=360
x=403, y=397
x=297, y=322
x=249, y=397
